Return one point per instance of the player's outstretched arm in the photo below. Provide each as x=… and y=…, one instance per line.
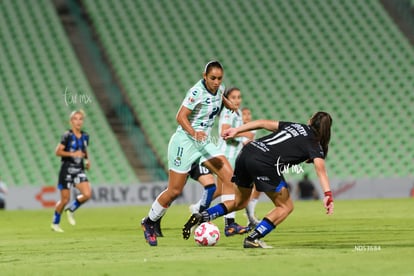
x=320, y=169
x=258, y=124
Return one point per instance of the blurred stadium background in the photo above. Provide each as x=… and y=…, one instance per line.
x=129, y=63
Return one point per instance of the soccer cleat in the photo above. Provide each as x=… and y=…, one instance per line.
x=157, y=228
x=192, y=221
x=56, y=228
x=70, y=216
x=234, y=229
x=255, y=244
x=149, y=232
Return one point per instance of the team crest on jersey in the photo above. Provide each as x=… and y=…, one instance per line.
x=177, y=161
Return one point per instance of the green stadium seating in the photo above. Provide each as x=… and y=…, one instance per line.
x=38, y=65
x=290, y=58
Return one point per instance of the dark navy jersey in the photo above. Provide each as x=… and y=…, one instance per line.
x=291, y=144
x=72, y=144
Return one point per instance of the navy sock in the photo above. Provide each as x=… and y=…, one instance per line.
x=228, y=221
x=207, y=196
x=214, y=212
x=56, y=218
x=74, y=205
x=262, y=229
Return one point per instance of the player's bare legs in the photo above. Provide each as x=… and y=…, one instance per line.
x=85, y=190
x=176, y=182
x=224, y=172
x=221, y=167
x=85, y=194
x=64, y=199
x=283, y=207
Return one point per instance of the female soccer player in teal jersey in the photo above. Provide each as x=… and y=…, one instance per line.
x=231, y=148
x=264, y=161
x=191, y=142
x=73, y=151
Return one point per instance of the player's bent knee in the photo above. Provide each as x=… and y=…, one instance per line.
x=64, y=201
x=87, y=195
x=174, y=193
x=291, y=208
x=217, y=162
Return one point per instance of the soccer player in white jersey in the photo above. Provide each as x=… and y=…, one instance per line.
x=191, y=142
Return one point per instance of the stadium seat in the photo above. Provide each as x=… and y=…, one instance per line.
x=290, y=58
x=38, y=65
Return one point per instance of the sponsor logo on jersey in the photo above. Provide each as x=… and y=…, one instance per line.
x=263, y=178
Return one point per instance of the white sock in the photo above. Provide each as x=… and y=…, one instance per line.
x=227, y=198
x=251, y=208
x=195, y=208
x=230, y=215
x=157, y=211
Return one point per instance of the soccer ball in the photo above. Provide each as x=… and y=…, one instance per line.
x=207, y=234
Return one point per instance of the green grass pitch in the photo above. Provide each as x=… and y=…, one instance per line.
x=363, y=237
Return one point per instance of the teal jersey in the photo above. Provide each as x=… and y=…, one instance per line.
x=230, y=147
x=204, y=105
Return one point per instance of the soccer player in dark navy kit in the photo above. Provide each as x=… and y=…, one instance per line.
x=73, y=151
x=264, y=161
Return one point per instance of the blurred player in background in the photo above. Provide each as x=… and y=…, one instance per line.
x=231, y=148
x=3, y=193
x=264, y=161
x=251, y=206
x=74, y=160
x=191, y=142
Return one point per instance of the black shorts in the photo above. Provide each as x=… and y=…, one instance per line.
x=198, y=170
x=70, y=176
x=250, y=169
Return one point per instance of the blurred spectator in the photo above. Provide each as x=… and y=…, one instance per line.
x=3, y=192
x=306, y=189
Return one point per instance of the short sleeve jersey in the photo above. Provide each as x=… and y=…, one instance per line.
x=204, y=105
x=72, y=144
x=230, y=147
x=291, y=144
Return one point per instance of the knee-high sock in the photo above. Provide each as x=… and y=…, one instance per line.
x=207, y=197
x=214, y=212
x=262, y=229
x=157, y=211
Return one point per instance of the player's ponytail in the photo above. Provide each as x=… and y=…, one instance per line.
x=321, y=123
